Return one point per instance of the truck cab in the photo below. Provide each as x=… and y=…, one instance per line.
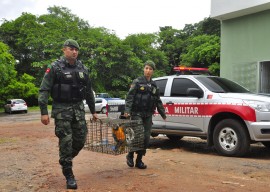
x=227, y=115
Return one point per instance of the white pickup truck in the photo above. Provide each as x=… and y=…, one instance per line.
x=213, y=108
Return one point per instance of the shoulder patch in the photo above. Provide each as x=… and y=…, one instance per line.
x=48, y=68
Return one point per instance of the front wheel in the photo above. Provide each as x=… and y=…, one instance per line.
x=103, y=110
x=231, y=138
x=154, y=134
x=174, y=137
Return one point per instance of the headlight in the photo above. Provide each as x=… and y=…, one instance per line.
x=258, y=105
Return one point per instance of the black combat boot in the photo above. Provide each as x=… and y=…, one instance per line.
x=139, y=164
x=130, y=161
x=71, y=182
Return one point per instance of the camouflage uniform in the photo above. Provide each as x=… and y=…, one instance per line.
x=70, y=124
x=141, y=101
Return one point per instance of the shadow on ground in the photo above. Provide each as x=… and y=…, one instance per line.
x=197, y=145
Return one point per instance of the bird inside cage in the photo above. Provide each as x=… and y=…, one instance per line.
x=120, y=137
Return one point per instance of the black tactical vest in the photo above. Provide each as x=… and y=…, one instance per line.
x=144, y=98
x=70, y=82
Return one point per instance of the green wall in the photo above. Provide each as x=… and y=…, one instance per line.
x=244, y=42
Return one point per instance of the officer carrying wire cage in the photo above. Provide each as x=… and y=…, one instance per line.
x=142, y=99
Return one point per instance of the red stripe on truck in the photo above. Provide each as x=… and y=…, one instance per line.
x=208, y=110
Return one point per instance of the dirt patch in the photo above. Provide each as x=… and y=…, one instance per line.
x=29, y=162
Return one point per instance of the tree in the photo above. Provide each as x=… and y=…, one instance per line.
x=179, y=48
x=24, y=88
x=37, y=41
x=202, y=51
x=107, y=58
x=208, y=26
x=7, y=66
x=171, y=43
x=145, y=47
x=16, y=35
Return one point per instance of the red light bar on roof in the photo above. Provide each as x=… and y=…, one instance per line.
x=189, y=69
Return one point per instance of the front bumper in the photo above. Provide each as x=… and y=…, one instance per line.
x=259, y=131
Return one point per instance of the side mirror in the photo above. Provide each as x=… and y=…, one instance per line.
x=195, y=92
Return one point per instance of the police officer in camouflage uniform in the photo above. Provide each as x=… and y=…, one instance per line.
x=67, y=81
x=141, y=101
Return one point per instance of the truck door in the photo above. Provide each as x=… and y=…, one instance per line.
x=158, y=122
x=184, y=113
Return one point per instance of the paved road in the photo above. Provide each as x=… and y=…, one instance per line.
x=30, y=116
x=17, y=117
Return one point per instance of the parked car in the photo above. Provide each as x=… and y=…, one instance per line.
x=100, y=105
x=102, y=95
x=106, y=96
x=13, y=105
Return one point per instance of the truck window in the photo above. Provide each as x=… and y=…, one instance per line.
x=98, y=101
x=180, y=86
x=161, y=84
x=221, y=85
x=102, y=95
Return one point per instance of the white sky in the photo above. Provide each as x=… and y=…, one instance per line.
x=123, y=17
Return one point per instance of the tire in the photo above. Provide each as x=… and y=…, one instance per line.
x=174, y=137
x=231, y=138
x=266, y=144
x=154, y=134
x=103, y=110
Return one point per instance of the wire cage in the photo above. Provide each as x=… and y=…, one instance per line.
x=115, y=136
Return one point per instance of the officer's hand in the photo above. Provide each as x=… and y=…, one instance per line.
x=45, y=119
x=95, y=117
x=126, y=115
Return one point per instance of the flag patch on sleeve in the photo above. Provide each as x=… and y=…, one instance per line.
x=48, y=70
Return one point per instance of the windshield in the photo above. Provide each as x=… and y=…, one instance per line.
x=221, y=85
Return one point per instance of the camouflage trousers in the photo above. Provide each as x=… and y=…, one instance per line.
x=71, y=130
x=147, y=124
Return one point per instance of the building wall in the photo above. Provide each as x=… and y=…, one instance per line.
x=245, y=41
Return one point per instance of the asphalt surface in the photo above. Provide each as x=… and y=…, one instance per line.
x=18, y=117
x=30, y=116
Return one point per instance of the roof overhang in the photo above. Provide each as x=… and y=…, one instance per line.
x=225, y=14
